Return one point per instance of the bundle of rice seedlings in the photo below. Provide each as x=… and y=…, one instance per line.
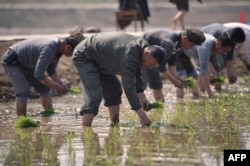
x=219, y=79
x=156, y=105
x=74, y=91
x=189, y=82
x=48, y=112
x=25, y=122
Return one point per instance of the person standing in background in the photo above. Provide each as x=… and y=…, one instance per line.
x=182, y=9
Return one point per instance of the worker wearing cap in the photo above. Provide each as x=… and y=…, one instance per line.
x=172, y=42
x=99, y=58
x=28, y=62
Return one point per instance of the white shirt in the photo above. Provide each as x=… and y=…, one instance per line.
x=243, y=48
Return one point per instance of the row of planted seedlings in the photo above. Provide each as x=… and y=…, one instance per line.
x=173, y=135
x=201, y=125
x=217, y=123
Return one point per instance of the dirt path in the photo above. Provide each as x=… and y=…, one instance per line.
x=59, y=18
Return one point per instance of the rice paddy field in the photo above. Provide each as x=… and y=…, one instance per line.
x=186, y=132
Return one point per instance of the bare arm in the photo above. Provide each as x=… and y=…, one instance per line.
x=212, y=70
x=143, y=99
x=172, y=76
x=56, y=78
x=52, y=84
x=204, y=80
x=231, y=75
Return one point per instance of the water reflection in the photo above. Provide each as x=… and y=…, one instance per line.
x=33, y=147
x=115, y=146
x=61, y=140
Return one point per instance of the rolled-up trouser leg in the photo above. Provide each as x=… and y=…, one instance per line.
x=112, y=90
x=91, y=85
x=19, y=81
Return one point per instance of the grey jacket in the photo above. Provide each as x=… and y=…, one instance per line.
x=39, y=54
x=117, y=54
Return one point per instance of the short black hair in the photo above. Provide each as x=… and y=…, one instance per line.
x=158, y=53
x=74, y=39
x=194, y=35
x=226, y=40
x=237, y=34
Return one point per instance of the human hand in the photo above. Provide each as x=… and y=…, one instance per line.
x=144, y=101
x=61, y=89
x=146, y=105
x=178, y=83
x=144, y=120
x=155, y=105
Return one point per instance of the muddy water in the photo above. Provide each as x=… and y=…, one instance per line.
x=61, y=140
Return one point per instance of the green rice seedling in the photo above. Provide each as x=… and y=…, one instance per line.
x=156, y=105
x=25, y=122
x=189, y=82
x=21, y=152
x=49, y=153
x=219, y=79
x=245, y=79
x=48, y=112
x=71, y=151
x=74, y=91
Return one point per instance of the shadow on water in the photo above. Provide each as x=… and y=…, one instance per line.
x=175, y=138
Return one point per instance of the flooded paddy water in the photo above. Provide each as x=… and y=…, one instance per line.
x=185, y=133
